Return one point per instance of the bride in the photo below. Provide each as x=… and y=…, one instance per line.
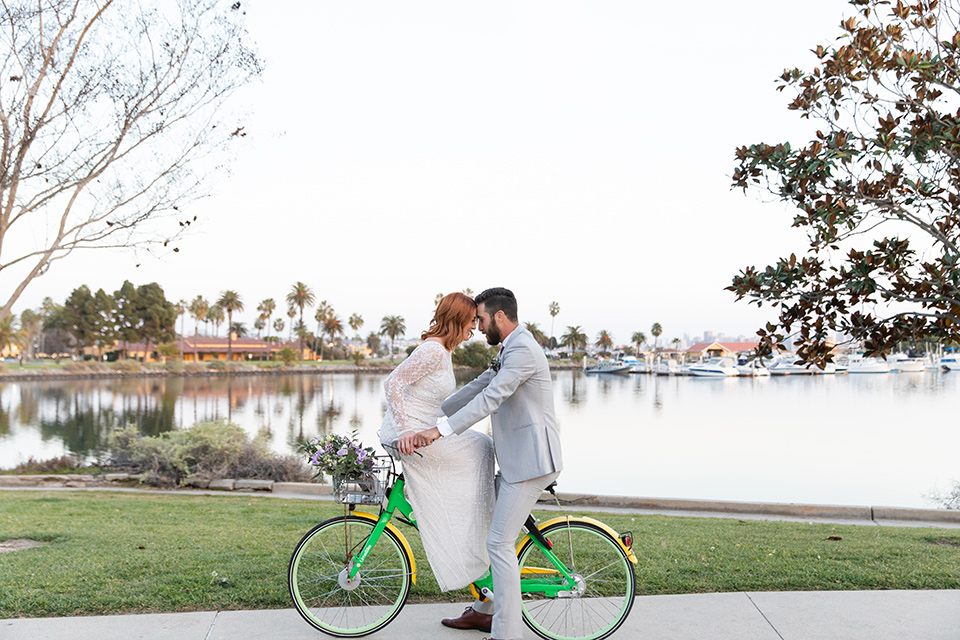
x=450, y=485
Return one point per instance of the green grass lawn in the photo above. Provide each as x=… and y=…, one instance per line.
x=120, y=552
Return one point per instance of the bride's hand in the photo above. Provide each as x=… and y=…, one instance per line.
x=408, y=442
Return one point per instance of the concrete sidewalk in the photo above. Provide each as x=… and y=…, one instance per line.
x=835, y=615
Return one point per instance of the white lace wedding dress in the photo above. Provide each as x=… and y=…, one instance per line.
x=451, y=486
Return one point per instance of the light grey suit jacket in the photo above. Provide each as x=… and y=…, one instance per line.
x=519, y=401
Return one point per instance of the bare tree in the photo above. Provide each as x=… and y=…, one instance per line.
x=112, y=114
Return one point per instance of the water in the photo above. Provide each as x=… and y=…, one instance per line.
x=881, y=440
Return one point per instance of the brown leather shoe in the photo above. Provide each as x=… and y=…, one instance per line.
x=470, y=620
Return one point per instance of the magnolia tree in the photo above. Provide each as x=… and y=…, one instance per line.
x=112, y=114
x=877, y=190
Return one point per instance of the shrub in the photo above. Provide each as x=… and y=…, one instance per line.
x=218, y=365
x=169, y=350
x=357, y=357
x=287, y=355
x=474, y=354
x=204, y=452
x=174, y=366
x=194, y=368
x=61, y=464
x=948, y=500
x=127, y=366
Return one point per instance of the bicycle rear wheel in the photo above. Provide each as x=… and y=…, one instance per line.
x=319, y=582
x=605, y=580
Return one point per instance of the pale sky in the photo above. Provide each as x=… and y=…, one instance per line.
x=572, y=151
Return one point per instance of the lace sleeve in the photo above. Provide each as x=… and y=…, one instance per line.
x=422, y=362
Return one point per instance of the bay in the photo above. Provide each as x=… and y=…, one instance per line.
x=880, y=440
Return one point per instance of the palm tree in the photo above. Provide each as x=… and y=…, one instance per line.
x=554, y=311
x=323, y=312
x=238, y=328
x=292, y=313
x=392, y=326
x=676, y=347
x=266, y=309
x=303, y=335
x=259, y=324
x=182, y=307
x=300, y=296
x=332, y=326
x=356, y=321
x=656, y=330
x=538, y=335
x=437, y=298
x=468, y=292
x=215, y=315
x=574, y=338
x=199, y=308
x=278, y=327
x=604, y=340
x=230, y=301
x=638, y=338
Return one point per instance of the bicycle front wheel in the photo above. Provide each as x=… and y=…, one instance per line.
x=606, y=585
x=322, y=591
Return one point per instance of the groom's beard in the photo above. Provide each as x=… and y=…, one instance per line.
x=494, y=336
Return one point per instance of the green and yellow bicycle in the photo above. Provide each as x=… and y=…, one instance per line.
x=351, y=575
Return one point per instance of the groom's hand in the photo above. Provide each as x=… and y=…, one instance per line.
x=427, y=437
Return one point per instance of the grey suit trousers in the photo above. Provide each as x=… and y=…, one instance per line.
x=515, y=501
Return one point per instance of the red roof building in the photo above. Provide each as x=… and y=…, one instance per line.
x=207, y=348
x=720, y=349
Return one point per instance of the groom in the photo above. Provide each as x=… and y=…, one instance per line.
x=517, y=394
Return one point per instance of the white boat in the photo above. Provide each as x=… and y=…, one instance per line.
x=671, y=368
x=950, y=363
x=635, y=365
x=907, y=364
x=609, y=366
x=789, y=366
x=859, y=364
x=754, y=368
x=715, y=368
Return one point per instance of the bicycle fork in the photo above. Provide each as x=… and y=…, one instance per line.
x=396, y=501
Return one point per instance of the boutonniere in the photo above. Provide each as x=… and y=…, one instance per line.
x=495, y=364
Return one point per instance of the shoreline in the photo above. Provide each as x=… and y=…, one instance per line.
x=244, y=370
x=845, y=514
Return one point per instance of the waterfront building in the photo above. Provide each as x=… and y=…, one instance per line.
x=207, y=349
x=706, y=350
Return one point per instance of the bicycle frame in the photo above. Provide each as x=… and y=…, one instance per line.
x=552, y=582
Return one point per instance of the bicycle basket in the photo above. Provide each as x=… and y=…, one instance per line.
x=367, y=488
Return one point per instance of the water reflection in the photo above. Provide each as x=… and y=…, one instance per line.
x=883, y=439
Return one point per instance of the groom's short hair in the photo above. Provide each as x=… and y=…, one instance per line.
x=498, y=299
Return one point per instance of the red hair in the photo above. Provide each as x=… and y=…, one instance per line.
x=453, y=314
